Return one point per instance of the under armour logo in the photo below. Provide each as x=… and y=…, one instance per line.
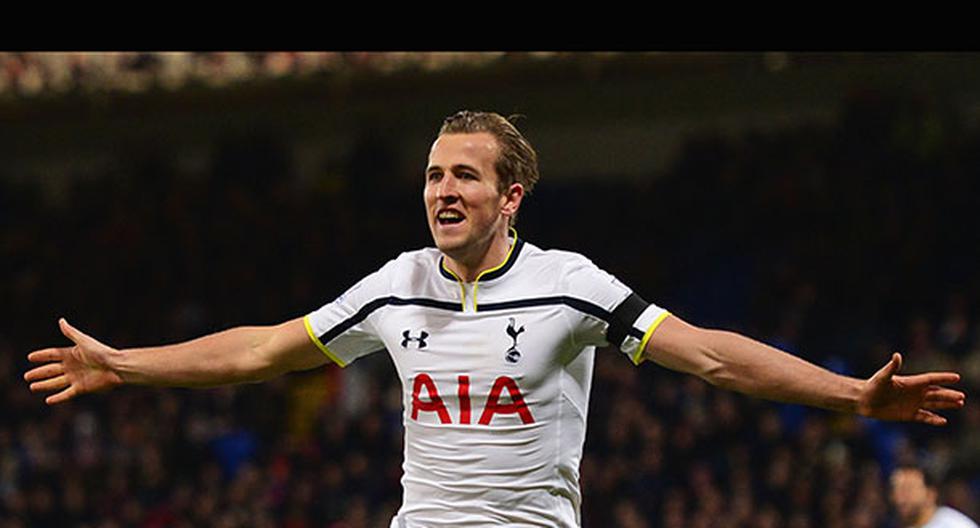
x=408, y=339
x=513, y=355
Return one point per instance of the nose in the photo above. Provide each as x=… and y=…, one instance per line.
x=447, y=189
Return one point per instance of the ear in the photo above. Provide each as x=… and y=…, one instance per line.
x=511, y=199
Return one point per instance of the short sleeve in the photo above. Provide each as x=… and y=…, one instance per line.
x=612, y=314
x=343, y=329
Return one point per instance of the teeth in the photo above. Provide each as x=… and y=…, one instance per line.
x=449, y=215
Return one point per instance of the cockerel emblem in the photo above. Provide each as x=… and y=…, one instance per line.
x=513, y=355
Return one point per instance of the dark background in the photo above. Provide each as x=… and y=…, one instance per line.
x=823, y=203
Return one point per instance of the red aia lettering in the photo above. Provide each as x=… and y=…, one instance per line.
x=463, y=391
x=434, y=403
x=492, y=407
x=516, y=404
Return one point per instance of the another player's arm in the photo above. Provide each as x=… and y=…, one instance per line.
x=238, y=355
x=733, y=361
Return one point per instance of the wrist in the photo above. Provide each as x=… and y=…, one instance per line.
x=859, y=403
x=115, y=364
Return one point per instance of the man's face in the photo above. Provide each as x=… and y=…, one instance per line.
x=910, y=495
x=462, y=202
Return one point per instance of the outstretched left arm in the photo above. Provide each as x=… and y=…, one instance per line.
x=732, y=361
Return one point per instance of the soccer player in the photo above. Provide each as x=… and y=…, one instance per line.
x=493, y=339
x=915, y=495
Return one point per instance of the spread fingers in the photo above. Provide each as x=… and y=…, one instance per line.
x=55, y=383
x=45, y=371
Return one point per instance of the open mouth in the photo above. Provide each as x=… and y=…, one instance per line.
x=449, y=217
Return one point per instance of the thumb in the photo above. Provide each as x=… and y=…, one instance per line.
x=77, y=336
x=889, y=369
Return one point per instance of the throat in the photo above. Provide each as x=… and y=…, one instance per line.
x=468, y=267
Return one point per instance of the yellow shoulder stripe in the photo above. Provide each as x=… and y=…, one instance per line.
x=323, y=348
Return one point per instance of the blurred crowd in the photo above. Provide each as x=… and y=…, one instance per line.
x=837, y=243
x=30, y=74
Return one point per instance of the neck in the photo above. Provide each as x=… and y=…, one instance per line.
x=469, y=266
x=925, y=515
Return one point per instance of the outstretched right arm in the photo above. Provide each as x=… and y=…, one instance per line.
x=239, y=355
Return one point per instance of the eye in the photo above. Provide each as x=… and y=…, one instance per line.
x=468, y=176
x=433, y=176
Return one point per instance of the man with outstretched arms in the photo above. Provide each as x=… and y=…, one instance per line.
x=493, y=340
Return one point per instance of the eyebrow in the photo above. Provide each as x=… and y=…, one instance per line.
x=455, y=168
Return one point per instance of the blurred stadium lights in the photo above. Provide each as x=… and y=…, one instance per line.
x=31, y=74
x=34, y=74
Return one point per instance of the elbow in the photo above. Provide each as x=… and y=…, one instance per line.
x=720, y=377
x=257, y=364
x=727, y=364
x=716, y=374
x=261, y=368
x=713, y=368
x=701, y=352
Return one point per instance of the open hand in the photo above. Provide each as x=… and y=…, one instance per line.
x=886, y=396
x=73, y=371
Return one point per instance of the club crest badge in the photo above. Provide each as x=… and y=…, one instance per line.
x=513, y=355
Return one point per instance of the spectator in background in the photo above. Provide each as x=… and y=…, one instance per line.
x=915, y=495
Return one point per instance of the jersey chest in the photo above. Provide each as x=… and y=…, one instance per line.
x=453, y=366
x=525, y=343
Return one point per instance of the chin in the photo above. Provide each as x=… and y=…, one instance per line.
x=450, y=247
x=448, y=244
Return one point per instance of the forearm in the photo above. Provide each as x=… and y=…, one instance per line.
x=224, y=358
x=735, y=362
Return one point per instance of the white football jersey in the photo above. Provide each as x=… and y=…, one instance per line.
x=946, y=517
x=495, y=375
